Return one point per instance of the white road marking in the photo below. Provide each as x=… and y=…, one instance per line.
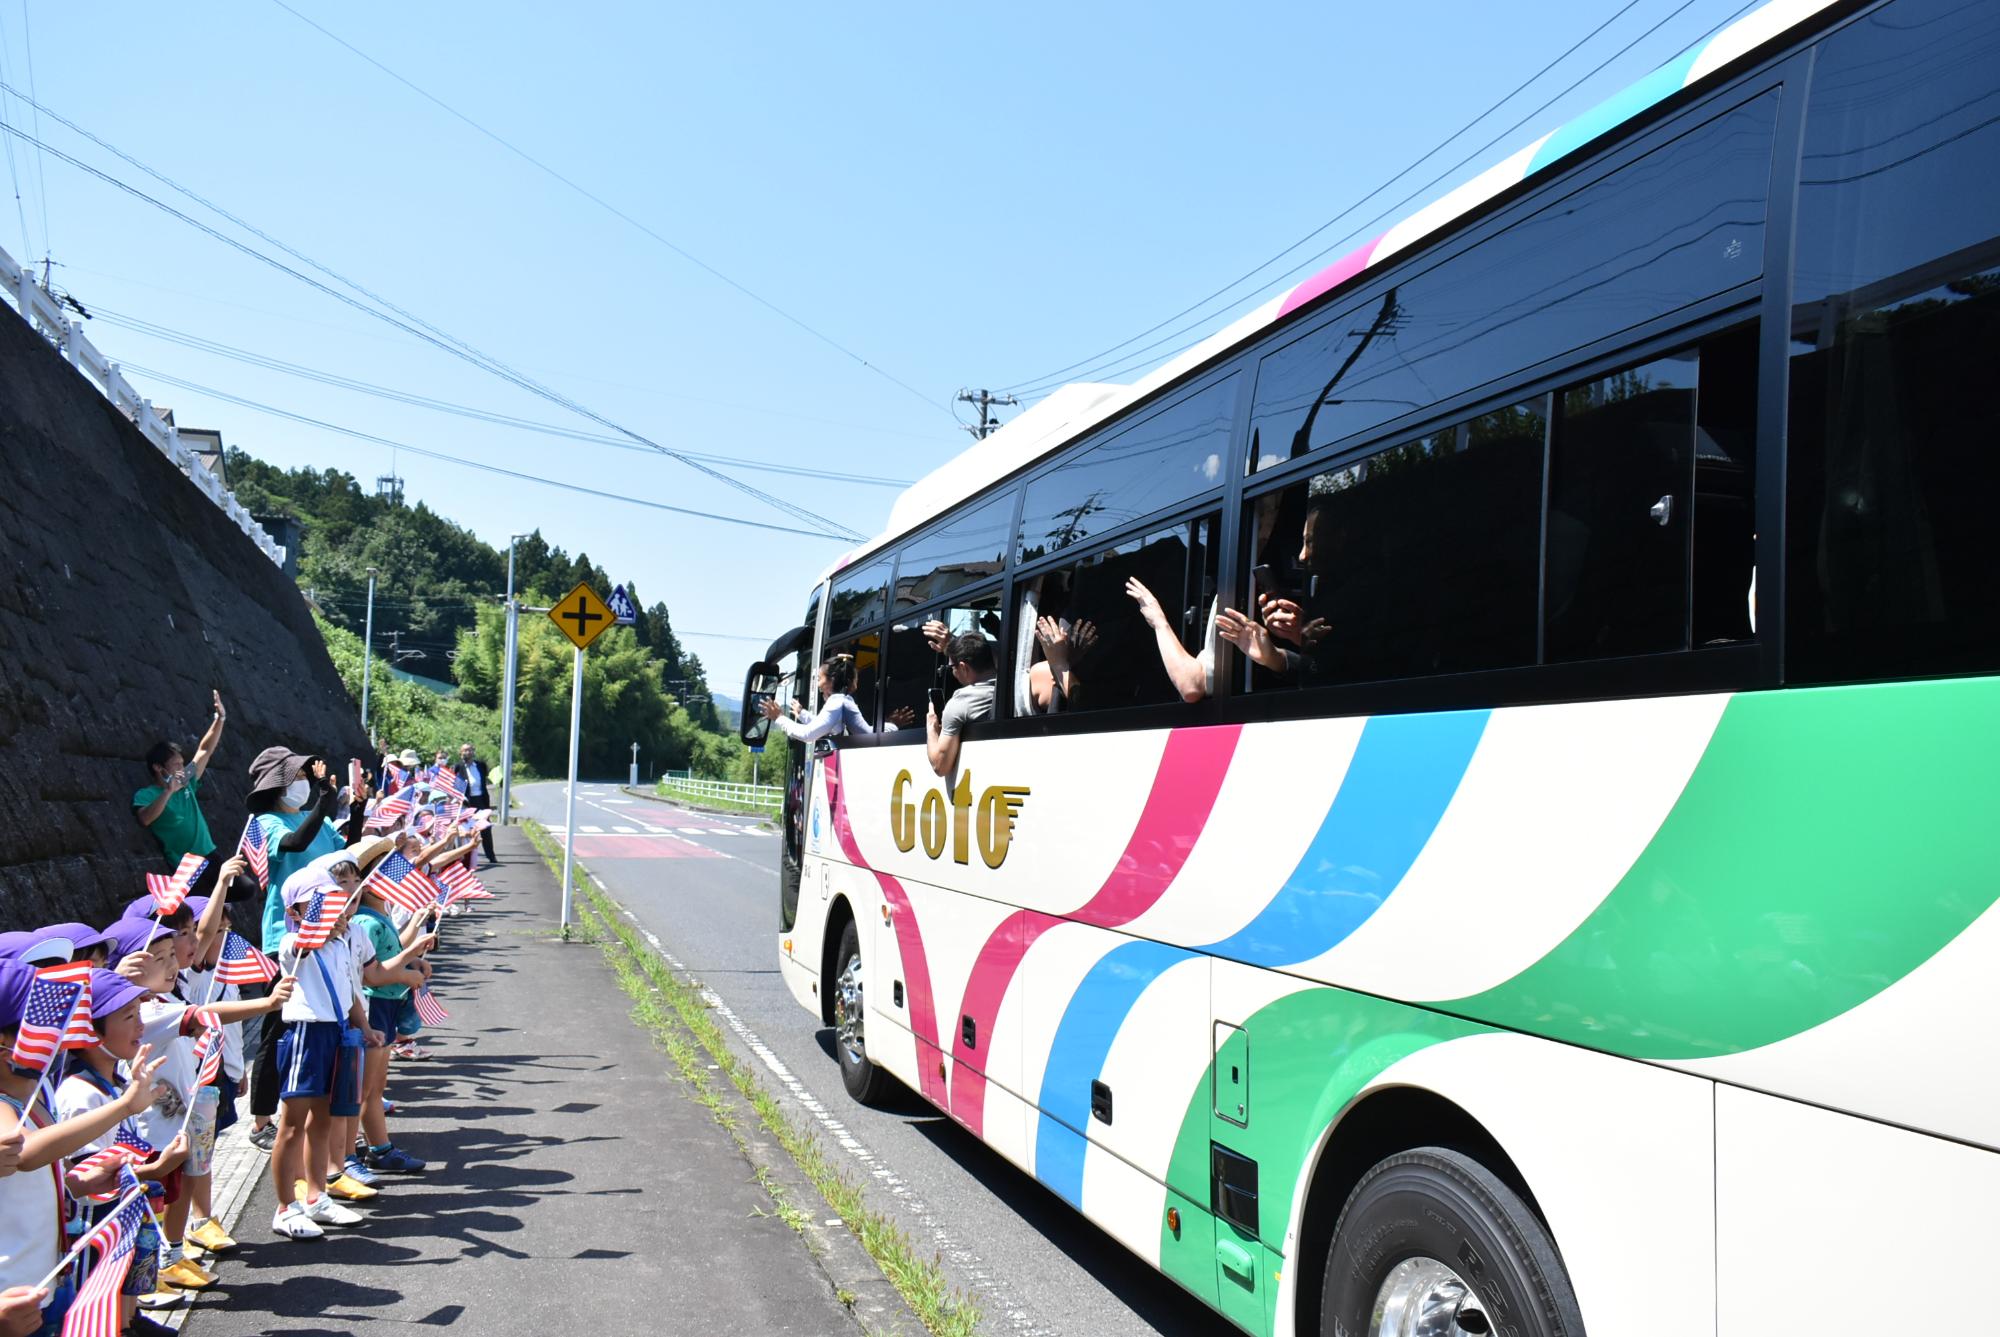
x=591, y=830
x=909, y=1204
x=626, y=830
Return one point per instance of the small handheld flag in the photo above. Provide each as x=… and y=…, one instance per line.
x=255, y=852
x=443, y=779
x=95, y=1311
x=243, y=964
x=429, y=1010
x=45, y=1022
x=322, y=912
x=208, y=1057
x=461, y=885
x=401, y=882
x=390, y=810
x=80, y=1034
x=169, y=892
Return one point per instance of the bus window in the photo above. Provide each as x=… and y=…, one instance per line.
x=867, y=652
x=859, y=598
x=915, y=666
x=1892, y=468
x=1125, y=664
x=1156, y=463
x=967, y=550
x=1418, y=559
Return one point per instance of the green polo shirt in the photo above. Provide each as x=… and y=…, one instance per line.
x=381, y=931
x=180, y=828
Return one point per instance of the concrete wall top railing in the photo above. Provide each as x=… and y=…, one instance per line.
x=45, y=315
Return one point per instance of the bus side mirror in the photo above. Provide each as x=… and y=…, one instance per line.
x=760, y=684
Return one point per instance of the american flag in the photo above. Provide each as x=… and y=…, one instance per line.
x=390, y=809
x=127, y=1146
x=443, y=778
x=45, y=1022
x=169, y=892
x=429, y=1009
x=81, y=1034
x=252, y=848
x=95, y=1312
x=322, y=912
x=207, y=1054
x=398, y=880
x=243, y=964
x=461, y=885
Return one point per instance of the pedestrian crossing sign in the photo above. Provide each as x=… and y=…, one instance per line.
x=623, y=610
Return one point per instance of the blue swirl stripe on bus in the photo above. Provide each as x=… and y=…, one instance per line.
x=1405, y=770
x=1090, y=1022
x=1616, y=110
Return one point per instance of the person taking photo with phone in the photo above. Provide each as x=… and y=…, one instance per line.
x=169, y=806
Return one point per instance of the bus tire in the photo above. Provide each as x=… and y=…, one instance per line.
x=1432, y=1231
x=866, y=1082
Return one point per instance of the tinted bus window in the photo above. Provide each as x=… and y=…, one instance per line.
x=1116, y=658
x=914, y=667
x=867, y=652
x=1418, y=559
x=1154, y=464
x=1680, y=224
x=859, y=598
x=1893, y=460
x=969, y=548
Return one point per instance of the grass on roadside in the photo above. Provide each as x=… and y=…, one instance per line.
x=674, y=1012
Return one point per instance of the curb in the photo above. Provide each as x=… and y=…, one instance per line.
x=690, y=805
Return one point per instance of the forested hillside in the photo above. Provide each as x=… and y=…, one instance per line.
x=438, y=596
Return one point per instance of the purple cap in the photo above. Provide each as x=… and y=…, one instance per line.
x=131, y=935
x=46, y=949
x=197, y=905
x=15, y=981
x=110, y=991
x=143, y=907
x=82, y=937
x=12, y=943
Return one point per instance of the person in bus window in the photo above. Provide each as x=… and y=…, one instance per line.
x=1052, y=679
x=838, y=713
x=972, y=667
x=1193, y=675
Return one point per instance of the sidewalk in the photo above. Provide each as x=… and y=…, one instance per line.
x=572, y=1185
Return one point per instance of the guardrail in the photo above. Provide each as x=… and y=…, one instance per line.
x=46, y=316
x=758, y=796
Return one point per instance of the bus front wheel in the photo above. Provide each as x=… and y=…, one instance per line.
x=863, y=1080
x=1431, y=1241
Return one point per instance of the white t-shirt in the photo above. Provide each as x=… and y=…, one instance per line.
x=311, y=1001
x=80, y=1095
x=30, y=1220
x=161, y=1017
x=199, y=988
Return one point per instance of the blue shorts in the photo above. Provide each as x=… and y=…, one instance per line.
x=313, y=1064
x=225, y=1113
x=382, y=1014
x=408, y=1023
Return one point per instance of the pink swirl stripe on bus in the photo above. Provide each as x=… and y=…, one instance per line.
x=909, y=941
x=1185, y=787
x=1335, y=274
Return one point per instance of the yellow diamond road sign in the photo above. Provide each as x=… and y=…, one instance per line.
x=581, y=615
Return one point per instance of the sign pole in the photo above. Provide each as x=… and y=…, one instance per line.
x=569, y=819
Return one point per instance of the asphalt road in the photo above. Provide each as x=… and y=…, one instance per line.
x=707, y=886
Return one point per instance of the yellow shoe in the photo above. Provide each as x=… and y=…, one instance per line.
x=210, y=1236
x=351, y=1189
x=186, y=1275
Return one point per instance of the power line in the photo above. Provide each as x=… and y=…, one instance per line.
x=1139, y=357
x=611, y=208
x=244, y=355
x=226, y=397
x=41, y=176
x=13, y=171
x=986, y=401
x=410, y=323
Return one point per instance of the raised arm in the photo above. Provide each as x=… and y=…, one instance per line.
x=1190, y=679
x=209, y=741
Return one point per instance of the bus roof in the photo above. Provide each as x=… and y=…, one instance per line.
x=1070, y=411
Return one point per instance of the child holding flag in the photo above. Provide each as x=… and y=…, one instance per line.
x=396, y=969
x=323, y=1015
x=32, y=1196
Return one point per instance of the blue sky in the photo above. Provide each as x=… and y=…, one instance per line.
x=962, y=196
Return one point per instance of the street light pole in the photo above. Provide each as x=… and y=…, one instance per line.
x=367, y=649
x=508, y=673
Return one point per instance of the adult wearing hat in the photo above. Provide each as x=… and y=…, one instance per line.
x=292, y=799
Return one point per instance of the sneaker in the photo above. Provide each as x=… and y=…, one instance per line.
x=186, y=1275
x=357, y=1171
x=210, y=1236
x=409, y=1049
x=263, y=1137
x=162, y=1299
x=291, y=1221
x=393, y=1160
x=330, y=1213
x=388, y=1107
x=350, y=1190
x=141, y=1326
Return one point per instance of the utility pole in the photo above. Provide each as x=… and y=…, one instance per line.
x=507, y=689
x=987, y=401
x=367, y=649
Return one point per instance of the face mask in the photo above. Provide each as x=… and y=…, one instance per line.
x=296, y=793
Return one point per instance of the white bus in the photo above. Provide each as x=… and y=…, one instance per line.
x=1565, y=901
